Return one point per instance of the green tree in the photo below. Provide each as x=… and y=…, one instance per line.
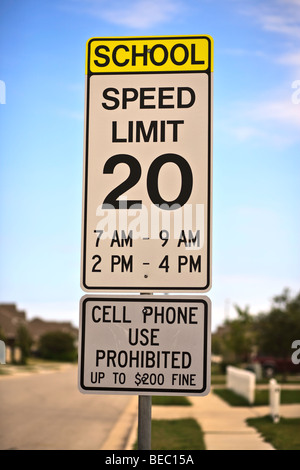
x=235, y=340
x=268, y=333
x=58, y=346
x=278, y=328
x=24, y=341
x=239, y=338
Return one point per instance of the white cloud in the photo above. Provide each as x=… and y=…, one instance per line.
x=243, y=133
x=284, y=25
x=278, y=16
x=291, y=58
x=283, y=112
x=275, y=122
x=142, y=13
x=137, y=14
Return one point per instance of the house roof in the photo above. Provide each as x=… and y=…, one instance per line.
x=10, y=320
x=38, y=327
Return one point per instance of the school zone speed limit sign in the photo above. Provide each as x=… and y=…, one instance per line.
x=148, y=162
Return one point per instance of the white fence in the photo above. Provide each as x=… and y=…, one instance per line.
x=274, y=398
x=2, y=352
x=241, y=382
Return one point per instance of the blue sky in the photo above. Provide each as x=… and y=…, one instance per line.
x=256, y=177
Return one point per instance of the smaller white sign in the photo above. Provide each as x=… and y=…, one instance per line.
x=145, y=345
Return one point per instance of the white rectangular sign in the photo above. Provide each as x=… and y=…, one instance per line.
x=147, y=173
x=147, y=345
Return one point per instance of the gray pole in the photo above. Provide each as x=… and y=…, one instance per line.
x=144, y=416
x=144, y=422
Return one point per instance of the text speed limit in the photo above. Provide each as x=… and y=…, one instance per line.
x=147, y=179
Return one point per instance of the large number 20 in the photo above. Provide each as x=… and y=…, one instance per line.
x=152, y=181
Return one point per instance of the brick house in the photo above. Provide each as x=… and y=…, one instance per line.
x=11, y=319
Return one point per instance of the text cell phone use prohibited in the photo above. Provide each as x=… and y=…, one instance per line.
x=149, y=345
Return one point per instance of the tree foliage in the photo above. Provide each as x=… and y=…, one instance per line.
x=24, y=341
x=270, y=332
x=278, y=328
x=57, y=345
x=239, y=337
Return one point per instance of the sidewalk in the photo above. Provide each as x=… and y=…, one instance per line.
x=224, y=426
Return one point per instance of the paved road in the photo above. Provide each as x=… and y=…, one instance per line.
x=46, y=411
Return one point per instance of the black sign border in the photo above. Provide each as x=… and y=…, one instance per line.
x=138, y=391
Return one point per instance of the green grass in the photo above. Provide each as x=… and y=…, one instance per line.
x=286, y=397
x=180, y=434
x=283, y=435
x=177, y=434
x=261, y=397
x=170, y=401
x=219, y=378
x=230, y=397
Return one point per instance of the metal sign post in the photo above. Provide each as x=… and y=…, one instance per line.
x=144, y=422
x=144, y=418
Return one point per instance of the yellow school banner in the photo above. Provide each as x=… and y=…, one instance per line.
x=149, y=54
